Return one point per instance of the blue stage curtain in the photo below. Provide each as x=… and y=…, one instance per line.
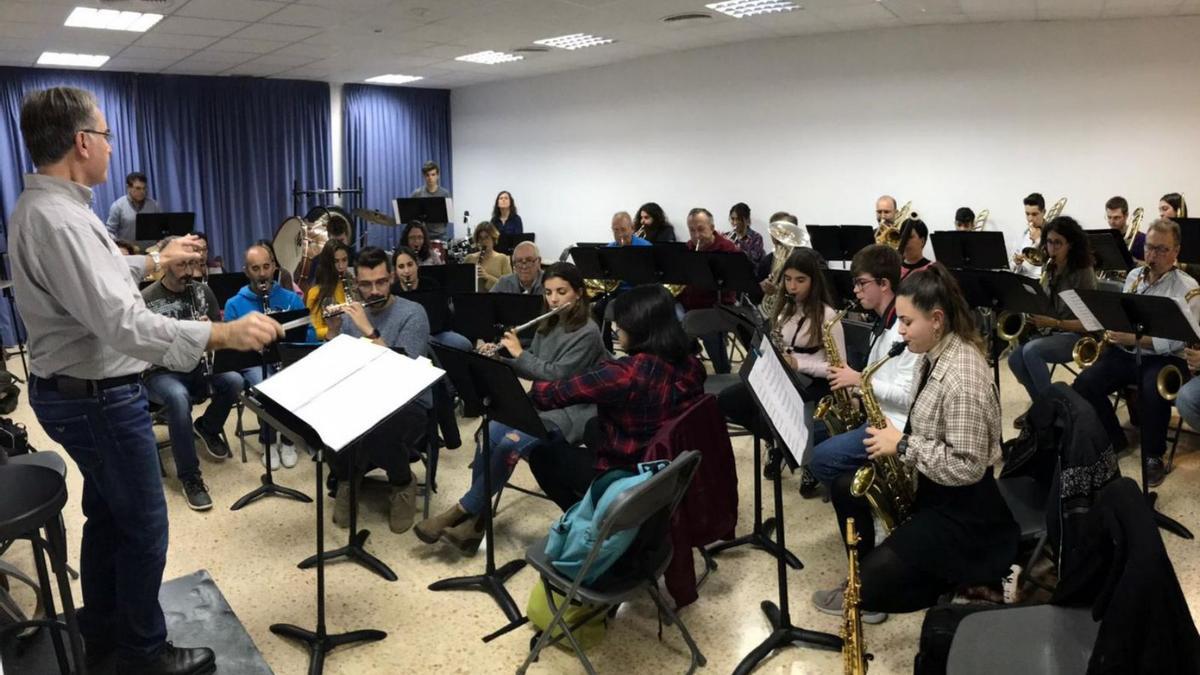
x=227, y=148
x=389, y=133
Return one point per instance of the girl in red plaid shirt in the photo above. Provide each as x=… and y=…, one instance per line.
x=657, y=380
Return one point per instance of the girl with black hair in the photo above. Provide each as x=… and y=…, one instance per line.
x=1069, y=266
x=1172, y=205
x=565, y=345
x=634, y=395
x=652, y=224
x=416, y=237
x=913, y=235
x=961, y=532
x=504, y=214
x=333, y=264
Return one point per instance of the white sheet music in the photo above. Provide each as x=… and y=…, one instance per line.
x=347, y=385
x=1081, y=311
x=780, y=400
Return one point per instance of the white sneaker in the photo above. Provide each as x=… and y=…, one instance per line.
x=287, y=454
x=276, y=464
x=1012, y=585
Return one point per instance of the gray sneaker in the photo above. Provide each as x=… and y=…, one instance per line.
x=830, y=602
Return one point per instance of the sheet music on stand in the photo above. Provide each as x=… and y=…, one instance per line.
x=780, y=399
x=326, y=388
x=1081, y=311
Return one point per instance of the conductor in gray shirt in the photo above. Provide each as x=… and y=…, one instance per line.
x=90, y=338
x=122, y=215
x=432, y=188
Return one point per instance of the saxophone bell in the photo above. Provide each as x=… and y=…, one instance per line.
x=885, y=482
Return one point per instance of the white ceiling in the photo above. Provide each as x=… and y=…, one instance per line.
x=351, y=40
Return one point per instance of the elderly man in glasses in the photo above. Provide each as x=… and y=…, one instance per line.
x=526, y=277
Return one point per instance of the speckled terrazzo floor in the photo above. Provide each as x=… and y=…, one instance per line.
x=252, y=555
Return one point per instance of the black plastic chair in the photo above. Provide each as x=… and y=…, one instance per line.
x=629, y=510
x=1037, y=640
x=31, y=499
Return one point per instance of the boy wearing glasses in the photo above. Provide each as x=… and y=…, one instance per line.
x=399, y=324
x=876, y=272
x=526, y=277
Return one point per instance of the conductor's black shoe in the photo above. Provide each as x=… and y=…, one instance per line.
x=171, y=660
x=809, y=485
x=1156, y=471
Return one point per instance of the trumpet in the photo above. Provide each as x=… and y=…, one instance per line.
x=492, y=348
x=1034, y=256
x=339, y=309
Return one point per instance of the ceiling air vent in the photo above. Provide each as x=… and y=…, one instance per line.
x=687, y=16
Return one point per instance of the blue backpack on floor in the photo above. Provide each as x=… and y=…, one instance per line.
x=573, y=535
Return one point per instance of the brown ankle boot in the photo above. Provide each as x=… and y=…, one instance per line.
x=431, y=529
x=341, y=505
x=404, y=510
x=466, y=535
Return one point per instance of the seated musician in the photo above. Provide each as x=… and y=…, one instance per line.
x=1035, y=217
x=622, y=232
x=283, y=276
x=408, y=280
x=526, y=277
x=564, y=346
x=964, y=219
x=653, y=225
x=1116, y=210
x=332, y=266
x=1172, y=205
x=961, y=532
x=1188, y=401
x=180, y=294
x=263, y=294
x=490, y=264
x=1115, y=368
x=804, y=305
x=1068, y=267
x=416, y=237
x=741, y=234
x=658, y=379
x=885, y=212
x=705, y=238
x=913, y=236
x=395, y=323
x=876, y=273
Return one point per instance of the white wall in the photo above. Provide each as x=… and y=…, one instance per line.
x=975, y=115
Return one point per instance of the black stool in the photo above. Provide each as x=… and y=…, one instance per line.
x=31, y=499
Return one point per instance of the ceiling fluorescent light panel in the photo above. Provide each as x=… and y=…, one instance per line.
x=489, y=57
x=393, y=79
x=111, y=19
x=574, y=41
x=740, y=9
x=74, y=60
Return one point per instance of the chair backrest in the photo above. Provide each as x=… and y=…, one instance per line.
x=663, y=491
x=706, y=321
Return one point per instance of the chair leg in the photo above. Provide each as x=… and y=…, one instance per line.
x=698, y=659
x=557, y=619
x=1027, y=573
x=240, y=432
x=57, y=538
x=1174, y=444
x=40, y=551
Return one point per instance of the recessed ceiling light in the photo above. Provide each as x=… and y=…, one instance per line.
x=739, y=9
x=112, y=19
x=393, y=79
x=77, y=60
x=574, y=41
x=489, y=57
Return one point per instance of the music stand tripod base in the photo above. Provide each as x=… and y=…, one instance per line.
x=268, y=489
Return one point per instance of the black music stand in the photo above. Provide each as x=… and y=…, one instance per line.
x=760, y=534
x=980, y=292
x=631, y=264
x=158, y=226
x=1110, y=251
x=319, y=642
x=354, y=550
x=492, y=387
x=783, y=632
x=225, y=360
x=587, y=259
x=225, y=285
x=1143, y=316
x=437, y=308
x=6, y=289
x=1189, y=245
x=478, y=315
x=840, y=242
x=422, y=209
x=1019, y=293
x=970, y=250
x=452, y=277
x=508, y=242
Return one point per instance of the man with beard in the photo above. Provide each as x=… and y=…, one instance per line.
x=399, y=324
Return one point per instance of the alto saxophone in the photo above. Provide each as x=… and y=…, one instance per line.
x=836, y=409
x=886, y=482
x=854, y=649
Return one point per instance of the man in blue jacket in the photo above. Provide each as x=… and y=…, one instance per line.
x=263, y=294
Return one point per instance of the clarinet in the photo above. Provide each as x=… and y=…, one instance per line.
x=199, y=308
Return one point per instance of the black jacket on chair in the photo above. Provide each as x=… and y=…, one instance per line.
x=1121, y=568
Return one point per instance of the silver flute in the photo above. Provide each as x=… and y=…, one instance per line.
x=492, y=348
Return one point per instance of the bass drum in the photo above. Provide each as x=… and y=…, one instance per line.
x=289, y=242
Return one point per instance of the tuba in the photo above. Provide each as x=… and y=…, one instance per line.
x=885, y=482
x=788, y=238
x=889, y=235
x=836, y=409
x=854, y=649
x=1056, y=210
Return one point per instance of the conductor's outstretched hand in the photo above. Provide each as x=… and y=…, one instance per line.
x=250, y=333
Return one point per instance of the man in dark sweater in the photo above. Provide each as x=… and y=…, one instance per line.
x=181, y=295
x=399, y=324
